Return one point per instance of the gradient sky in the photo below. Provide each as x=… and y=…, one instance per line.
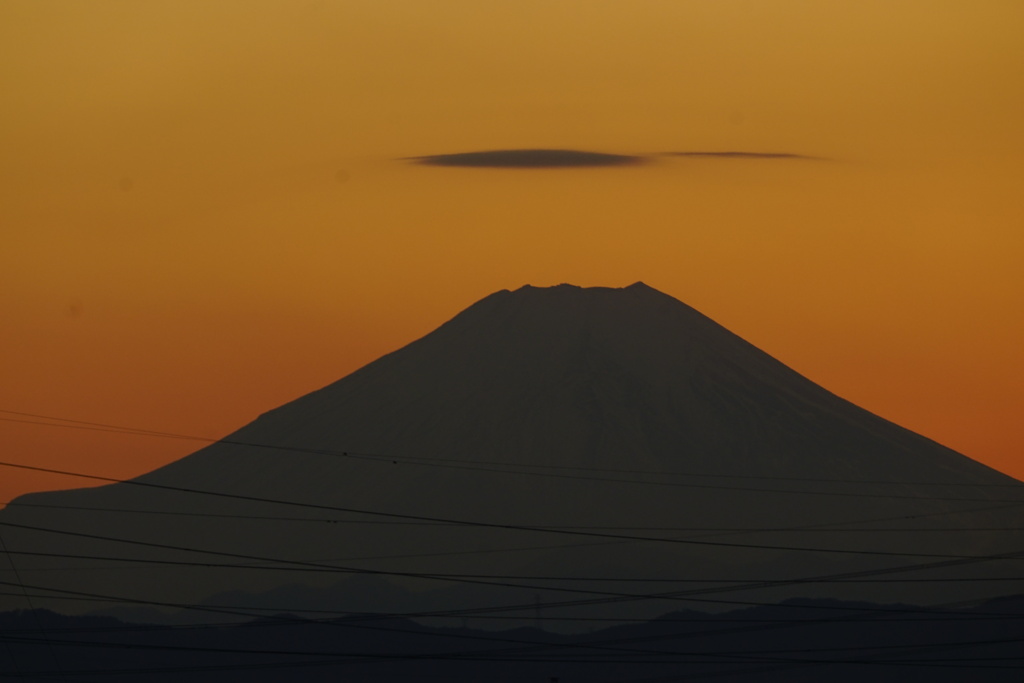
x=209, y=208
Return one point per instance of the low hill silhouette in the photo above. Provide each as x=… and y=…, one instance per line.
x=791, y=642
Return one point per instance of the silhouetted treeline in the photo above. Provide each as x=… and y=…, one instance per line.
x=799, y=640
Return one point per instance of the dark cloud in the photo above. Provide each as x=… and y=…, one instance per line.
x=528, y=158
x=569, y=158
x=744, y=155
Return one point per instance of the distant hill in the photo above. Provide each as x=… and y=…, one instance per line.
x=793, y=642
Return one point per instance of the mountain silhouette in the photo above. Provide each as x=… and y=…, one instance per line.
x=565, y=451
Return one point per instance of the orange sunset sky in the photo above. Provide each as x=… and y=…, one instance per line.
x=206, y=208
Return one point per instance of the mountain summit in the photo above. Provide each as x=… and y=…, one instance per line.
x=585, y=447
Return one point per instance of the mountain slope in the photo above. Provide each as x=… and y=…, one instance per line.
x=617, y=412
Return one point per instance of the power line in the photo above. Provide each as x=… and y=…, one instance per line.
x=46, y=639
x=644, y=538
x=952, y=560
x=519, y=577
x=460, y=522
x=521, y=468
x=605, y=643
x=823, y=528
x=486, y=525
x=516, y=527
x=610, y=645
x=475, y=524
x=861, y=611
x=509, y=581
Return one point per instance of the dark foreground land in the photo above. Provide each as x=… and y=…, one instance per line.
x=799, y=640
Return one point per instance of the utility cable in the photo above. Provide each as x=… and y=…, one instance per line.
x=464, y=522
x=478, y=464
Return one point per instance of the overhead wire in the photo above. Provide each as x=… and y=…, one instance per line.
x=613, y=645
x=860, y=610
x=45, y=636
x=576, y=531
x=461, y=522
x=829, y=527
x=521, y=468
x=534, y=587
x=823, y=527
x=490, y=525
x=605, y=643
x=509, y=581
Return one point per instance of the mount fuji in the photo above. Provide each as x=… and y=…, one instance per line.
x=569, y=452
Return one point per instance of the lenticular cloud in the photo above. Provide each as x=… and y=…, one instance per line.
x=528, y=158
x=745, y=155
